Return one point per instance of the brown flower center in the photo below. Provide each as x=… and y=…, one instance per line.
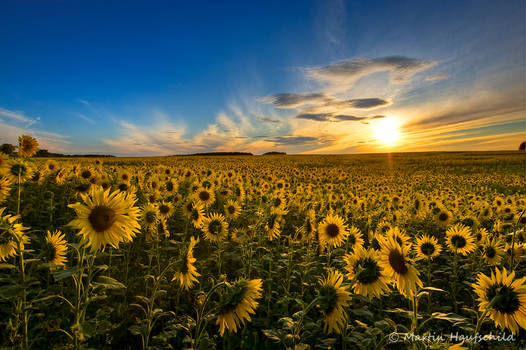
x=397, y=262
x=332, y=230
x=102, y=218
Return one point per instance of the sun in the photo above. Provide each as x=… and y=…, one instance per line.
x=387, y=131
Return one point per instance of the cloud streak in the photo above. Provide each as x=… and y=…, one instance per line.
x=345, y=73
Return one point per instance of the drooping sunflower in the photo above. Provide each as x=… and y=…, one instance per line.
x=232, y=209
x=215, y=227
x=427, y=247
x=5, y=187
x=508, y=295
x=363, y=265
x=195, y=212
x=355, y=238
x=399, y=236
x=273, y=226
x=333, y=298
x=27, y=146
x=332, y=231
x=460, y=240
x=237, y=303
x=205, y=196
x=397, y=266
x=106, y=218
x=493, y=251
x=55, y=249
x=11, y=232
x=187, y=274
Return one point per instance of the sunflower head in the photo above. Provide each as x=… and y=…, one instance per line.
x=237, y=303
x=332, y=231
x=215, y=227
x=12, y=236
x=427, y=247
x=504, y=298
x=27, y=146
x=363, y=267
x=54, y=250
x=332, y=300
x=460, y=240
x=105, y=218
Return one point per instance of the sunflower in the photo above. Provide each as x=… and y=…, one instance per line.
x=54, y=252
x=232, y=209
x=333, y=298
x=397, y=266
x=362, y=265
x=166, y=209
x=3, y=162
x=427, y=247
x=171, y=186
x=205, y=196
x=237, y=303
x=493, y=251
x=27, y=146
x=106, y=218
x=194, y=211
x=442, y=216
x=480, y=235
x=5, y=187
x=150, y=217
x=503, y=298
x=273, y=226
x=332, y=231
x=11, y=232
x=18, y=169
x=458, y=346
x=355, y=238
x=215, y=227
x=278, y=204
x=399, y=236
x=460, y=240
x=187, y=273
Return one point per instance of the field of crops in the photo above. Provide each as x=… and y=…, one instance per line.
x=416, y=251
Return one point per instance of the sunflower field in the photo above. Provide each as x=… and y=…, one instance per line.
x=383, y=251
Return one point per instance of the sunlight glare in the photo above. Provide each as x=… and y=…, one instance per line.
x=387, y=131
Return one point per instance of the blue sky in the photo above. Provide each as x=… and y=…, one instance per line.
x=155, y=78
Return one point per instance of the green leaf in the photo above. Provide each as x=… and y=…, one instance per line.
x=109, y=283
x=9, y=292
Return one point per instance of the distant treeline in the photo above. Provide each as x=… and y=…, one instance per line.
x=10, y=149
x=221, y=154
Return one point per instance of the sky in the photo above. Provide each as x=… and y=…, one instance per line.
x=138, y=78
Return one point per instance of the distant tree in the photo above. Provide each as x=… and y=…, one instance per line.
x=7, y=148
x=522, y=147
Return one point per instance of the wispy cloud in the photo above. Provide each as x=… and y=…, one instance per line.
x=85, y=118
x=17, y=116
x=345, y=73
x=435, y=77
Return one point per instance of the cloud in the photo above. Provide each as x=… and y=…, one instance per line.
x=84, y=102
x=267, y=119
x=347, y=72
x=335, y=105
x=435, y=77
x=293, y=140
x=330, y=117
x=290, y=100
x=17, y=116
x=85, y=118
